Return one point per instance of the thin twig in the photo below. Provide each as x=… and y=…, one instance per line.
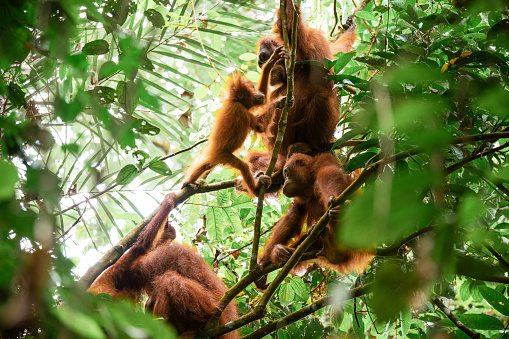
x=393, y=249
x=183, y=150
x=335, y=18
x=374, y=36
x=115, y=185
x=201, y=42
x=290, y=66
x=73, y=224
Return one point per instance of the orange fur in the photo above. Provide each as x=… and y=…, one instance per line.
x=312, y=182
x=313, y=117
x=345, y=41
x=180, y=285
x=232, y=124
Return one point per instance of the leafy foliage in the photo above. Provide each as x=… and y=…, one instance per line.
x=95, y=93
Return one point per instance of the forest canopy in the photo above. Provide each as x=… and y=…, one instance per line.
x=105, y=103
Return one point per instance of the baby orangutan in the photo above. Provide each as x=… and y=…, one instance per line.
x=233, y=122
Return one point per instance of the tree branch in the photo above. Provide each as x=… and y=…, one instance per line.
x=212, y=327
x=473, y=157
x=114, y=253
x=307, y=310
x=290, y=66
x=393, y=249
x=455, y=320
x=115, y=185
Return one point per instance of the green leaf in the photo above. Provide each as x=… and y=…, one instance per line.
x=247, y=56
x=365, y=15
x=286, y=293
x=126, y=175
x=96, y=47
x=328, y=63
x=127, y=94
x=234, y=220
x=107, y=69
x=67, y=111
x=347, y=136
x=106, y=95
x=9, y=178
x=299, y=288
x=495, y=299
x=144, y=127
x=16, y=95
x=200, y=92
x=215, y=224
x=475, y=321
x=465, y=290
x=155, y=18
x=405, y=318
x=342, y=60
x=79, y=323
x=358, y=329
x=160, y=167
x=359, y=161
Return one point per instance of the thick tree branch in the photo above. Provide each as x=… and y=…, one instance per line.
x=455, y=320
x=307, y=310
x=114, y=253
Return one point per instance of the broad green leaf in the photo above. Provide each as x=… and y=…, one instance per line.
x=342, y=60
x=160, y=167
x=105, y=95
x=144, y=127
x=155, y=18
x=9, y=175
x=495, y=299
x=200, y=92
x=359, y=161
x=365, y=15
x=79, y=323
x=475, y=322
x=96, y=47
x=16, y=95
x=465, y=290
x=126, y=175
x=127, y=94
x=366, y=223
x=247, y=56
x=299, y=288
x=215, y=224
x=286, y=293
x=222, y=197
x=107, y=69
x=233, y=218
x=405, y=317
